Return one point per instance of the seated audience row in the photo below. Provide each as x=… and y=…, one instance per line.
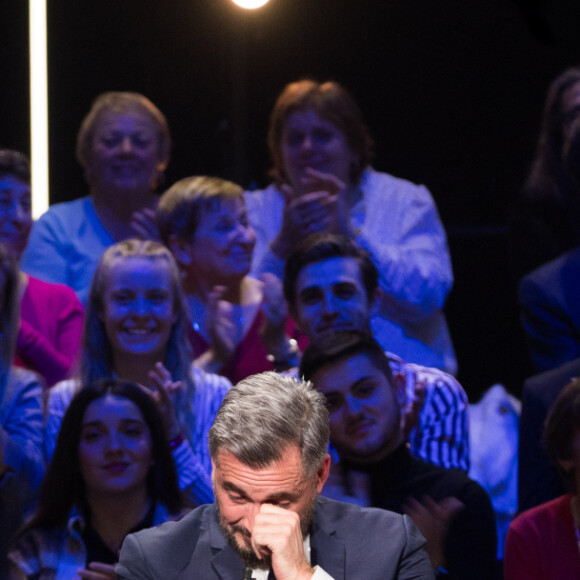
x=321, y=150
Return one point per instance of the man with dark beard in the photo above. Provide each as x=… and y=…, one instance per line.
x=269, y=453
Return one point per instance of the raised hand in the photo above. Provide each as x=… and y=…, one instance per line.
x=165, y=392
x=433, y=520
x=276, y=532
x=98, y=571
x=144, y=224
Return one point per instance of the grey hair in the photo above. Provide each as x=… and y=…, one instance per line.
x=264, y=414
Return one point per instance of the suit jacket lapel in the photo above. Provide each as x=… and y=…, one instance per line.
x=225, y=562
x=213, y=557
x=326, y=550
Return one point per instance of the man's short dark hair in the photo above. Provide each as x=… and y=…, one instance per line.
x=334, y=347
x=318, y=247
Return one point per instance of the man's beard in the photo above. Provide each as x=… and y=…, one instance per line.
x=245, y=553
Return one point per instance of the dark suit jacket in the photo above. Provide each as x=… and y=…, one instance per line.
x=538, y=479
x=347, y=541
x=550, y=304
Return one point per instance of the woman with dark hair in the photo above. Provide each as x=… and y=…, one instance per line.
x=111, y=474
x=21, y=460
x=545, y=219
x=543, y=543
x=123, y=146
x=135, y=329
x=51, y=316
x=323, y=182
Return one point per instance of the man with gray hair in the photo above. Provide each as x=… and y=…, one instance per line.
x=269, y=453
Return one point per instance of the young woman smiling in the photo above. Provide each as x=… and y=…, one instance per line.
x=112, y=473
x=135, y=326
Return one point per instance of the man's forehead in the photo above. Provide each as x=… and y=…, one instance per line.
x=287, y=469
x=330, y=272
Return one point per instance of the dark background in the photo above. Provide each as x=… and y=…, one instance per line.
x=452, y=89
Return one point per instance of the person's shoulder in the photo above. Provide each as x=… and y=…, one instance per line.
x=68, y=209
x=49, y=290
x=434, y=379
x=548, y=384
x=381, y=182
x=567, y=264
x=259, y=197
x=22, y=383
x=553, y=511
x=61, y=394
x=350, y=517
x=209, y=383
x=170, y=533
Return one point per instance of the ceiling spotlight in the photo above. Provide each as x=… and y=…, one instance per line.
x=250, y=4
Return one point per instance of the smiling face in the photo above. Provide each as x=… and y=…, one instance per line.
x=330, y=296
x=241, y=490
x=15, y=214
x=222, y=246
x=125, y=154
x=309, y=140
x=115, y=448
x=365, y=418
x=138, y=310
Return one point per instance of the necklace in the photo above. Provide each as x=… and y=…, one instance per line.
x=574, y=511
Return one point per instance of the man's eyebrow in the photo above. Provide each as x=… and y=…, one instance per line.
x=229, y=486
x=282, y=496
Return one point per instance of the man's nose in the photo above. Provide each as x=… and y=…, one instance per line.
x=353, y=406
x=329, y=305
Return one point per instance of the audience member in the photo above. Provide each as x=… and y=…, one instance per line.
x=112, y=473
x=21, y=461
x=239, y=327
x=269, y=449
x=538, y=478
x=51, y=316
x=543, y=543
x=331, y=284
x=323, y=182
x=123, y=145
x=135, y=327
x=545, y=219
x=551, y=311
x=375, y=466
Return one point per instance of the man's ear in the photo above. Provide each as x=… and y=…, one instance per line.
x=400, y=389
x=322, y=473
x=181, y=250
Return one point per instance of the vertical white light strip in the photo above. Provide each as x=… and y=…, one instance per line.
x=38, y=106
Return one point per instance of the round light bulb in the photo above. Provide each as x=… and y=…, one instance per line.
x=250, y=4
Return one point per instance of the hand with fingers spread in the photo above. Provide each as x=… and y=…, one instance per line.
x=224, y=333
x=277, y=534
x=98, y=571
x=337, y=219
x=144, y=224
x=433, y=520
x=165, y=391
x=275, y=311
